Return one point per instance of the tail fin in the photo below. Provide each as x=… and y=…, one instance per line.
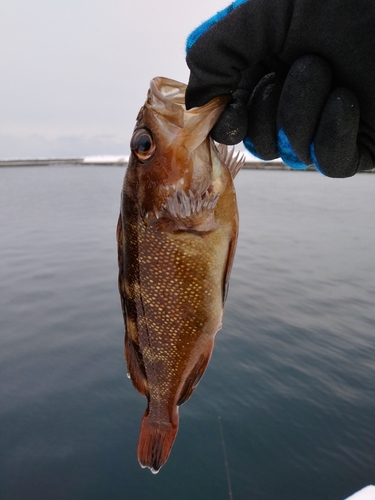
x=156, y=440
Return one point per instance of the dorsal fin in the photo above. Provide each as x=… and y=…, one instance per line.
x=232, y=161
x=135, y=366
x=132, y=355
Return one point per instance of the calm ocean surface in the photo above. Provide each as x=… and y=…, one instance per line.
x=293, y=371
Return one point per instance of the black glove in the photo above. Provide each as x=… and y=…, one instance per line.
x=301, y=74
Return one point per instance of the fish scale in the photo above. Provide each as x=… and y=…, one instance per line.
x=176, y=234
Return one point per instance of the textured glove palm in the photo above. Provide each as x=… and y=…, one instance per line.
x=301, y=74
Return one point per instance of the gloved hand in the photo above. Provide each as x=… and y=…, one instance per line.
x=301, y=75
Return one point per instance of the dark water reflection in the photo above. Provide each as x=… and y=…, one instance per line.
x=292, y=375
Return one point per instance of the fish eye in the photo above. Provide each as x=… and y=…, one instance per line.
x=142, y=144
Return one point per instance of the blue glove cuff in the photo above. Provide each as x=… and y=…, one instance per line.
x=250, y=147
x=201, y=30
x=287, y=153
x=314, y=159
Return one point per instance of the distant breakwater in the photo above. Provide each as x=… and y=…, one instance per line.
x=122, y=162
x=50, y=162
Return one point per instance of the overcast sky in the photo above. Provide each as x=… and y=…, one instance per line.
x=74, y=73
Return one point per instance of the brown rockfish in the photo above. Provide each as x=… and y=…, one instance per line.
x=176, y=236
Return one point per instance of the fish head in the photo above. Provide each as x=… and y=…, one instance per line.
x=171, y=150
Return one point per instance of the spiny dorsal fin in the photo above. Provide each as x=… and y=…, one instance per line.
x=232, y=161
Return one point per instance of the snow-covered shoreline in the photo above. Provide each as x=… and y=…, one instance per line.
x=251, y=162
x=113, y=160
x=87, y=160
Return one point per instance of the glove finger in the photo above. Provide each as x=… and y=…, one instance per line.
x=366, y=147
x=261, y=137
x=334, y=151
x=231, y=127
x=302, y=100
x=236, y=38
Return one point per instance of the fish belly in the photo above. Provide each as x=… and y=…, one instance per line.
x=174, y=309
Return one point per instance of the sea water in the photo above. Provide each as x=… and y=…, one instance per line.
x=292, y=376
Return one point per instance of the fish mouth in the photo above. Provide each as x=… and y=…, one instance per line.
x=169, y=92
x=166, y=99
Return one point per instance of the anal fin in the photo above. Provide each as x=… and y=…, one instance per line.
x=195, y=375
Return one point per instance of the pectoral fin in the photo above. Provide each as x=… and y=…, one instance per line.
x=228, y=267
x=233, y=162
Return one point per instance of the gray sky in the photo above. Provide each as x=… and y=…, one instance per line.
x=74, y=73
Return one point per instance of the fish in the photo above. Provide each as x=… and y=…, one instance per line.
x=176, y=238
